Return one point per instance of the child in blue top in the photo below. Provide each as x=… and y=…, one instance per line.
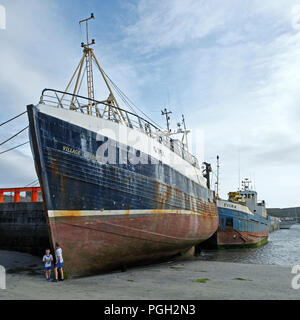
x=47, y=259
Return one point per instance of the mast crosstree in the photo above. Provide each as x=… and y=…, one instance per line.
x=112, y=108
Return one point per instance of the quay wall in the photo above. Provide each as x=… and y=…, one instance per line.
x=285, y=213
x=23, y=227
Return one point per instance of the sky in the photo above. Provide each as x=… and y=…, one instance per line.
x=232, y=67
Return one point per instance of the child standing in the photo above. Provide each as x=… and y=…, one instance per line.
x=59, y=263
x=47, y=259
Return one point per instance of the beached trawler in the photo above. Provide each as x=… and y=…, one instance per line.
x=118, y=190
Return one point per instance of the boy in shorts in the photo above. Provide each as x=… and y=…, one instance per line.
x=47, y=259
x=59, y=263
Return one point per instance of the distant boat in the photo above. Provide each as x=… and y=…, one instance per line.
x=149, y=203
x=286, y=223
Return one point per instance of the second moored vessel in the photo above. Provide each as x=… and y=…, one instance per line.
x=243, y=221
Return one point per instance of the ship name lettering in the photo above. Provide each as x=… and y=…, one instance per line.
x=70, y=150
x=91, y=156
x=229, y=205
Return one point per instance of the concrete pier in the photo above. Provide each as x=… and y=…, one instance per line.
x=188, y=279
x=285, y=213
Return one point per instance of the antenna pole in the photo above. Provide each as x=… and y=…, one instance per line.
x=239, y=170
x=218, y=171
x=88, y=52
x=87, y=28
x=166, y=113
x=185, y=132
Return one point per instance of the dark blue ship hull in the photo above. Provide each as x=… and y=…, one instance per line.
x=121, y=186
x=99, y=208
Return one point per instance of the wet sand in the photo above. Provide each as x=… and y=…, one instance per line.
x=173, y=280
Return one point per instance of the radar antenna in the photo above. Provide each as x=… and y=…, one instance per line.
x=246, y=184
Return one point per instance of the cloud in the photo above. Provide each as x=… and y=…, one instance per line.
x=296, y=17
x=162, y=24
x=17, y=169
x=28, y=53
x=173, y=23
x=234, y=67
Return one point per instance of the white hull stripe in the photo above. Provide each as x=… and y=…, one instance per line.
x=90, y=213
x=233, y=206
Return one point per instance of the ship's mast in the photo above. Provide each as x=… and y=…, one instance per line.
x=185, y=133
x=166, y=113
x=88, y=60
x=206, y=173
x=218, y=172
x=112, y=109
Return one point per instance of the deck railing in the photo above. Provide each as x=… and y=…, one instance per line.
x=16, y=193
x=96, y=108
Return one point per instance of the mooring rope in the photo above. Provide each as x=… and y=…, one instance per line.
x=19, y=115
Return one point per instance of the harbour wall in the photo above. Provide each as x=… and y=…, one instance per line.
x=285, y=213
x=23, y=227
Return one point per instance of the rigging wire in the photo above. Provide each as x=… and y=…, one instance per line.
x=13, y=118
x=32, y=183
x=20, y=145
x=129, y=102
x=2, y=143
x=123, y=98
x=115, y=88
